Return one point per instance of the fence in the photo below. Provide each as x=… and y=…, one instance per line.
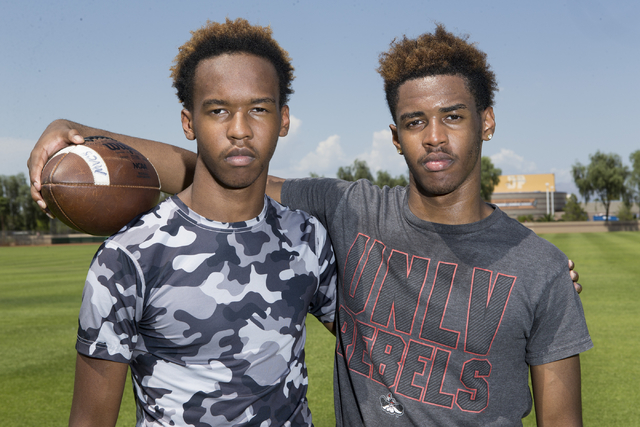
x=23, y=238
x=582, y=226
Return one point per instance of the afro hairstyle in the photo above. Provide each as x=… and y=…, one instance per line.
x=216, y=39
x=441, y=53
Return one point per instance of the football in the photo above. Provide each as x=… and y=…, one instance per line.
x=99, y=186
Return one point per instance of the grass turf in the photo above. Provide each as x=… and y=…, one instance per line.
x=609, y=267
x=40, y=291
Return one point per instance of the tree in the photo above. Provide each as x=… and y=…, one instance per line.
x=573, y=211
x=18, y=211
x=603, y=178
x=525, y=218
x=360, y=170
x=384, y=178
x=489, y=177
x=624, y=213
x=634, y=178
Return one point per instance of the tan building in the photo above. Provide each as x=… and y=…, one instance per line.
x=532, y=194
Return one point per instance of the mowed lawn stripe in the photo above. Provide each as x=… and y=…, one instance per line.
x=609, y=269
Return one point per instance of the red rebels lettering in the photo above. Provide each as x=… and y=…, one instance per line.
x=387, y=350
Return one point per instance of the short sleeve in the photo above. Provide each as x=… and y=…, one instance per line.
x=323, y=304
x=559, y=329
x=317, y=196
x=107, y=322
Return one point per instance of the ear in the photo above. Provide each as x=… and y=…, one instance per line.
x=284, y=121
x=488, y=124
x=394, y=138
x=187, y=124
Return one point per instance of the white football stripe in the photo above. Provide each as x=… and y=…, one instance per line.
x=95, y=162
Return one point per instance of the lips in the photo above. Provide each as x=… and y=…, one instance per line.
x=435, y=162
x=239, y=157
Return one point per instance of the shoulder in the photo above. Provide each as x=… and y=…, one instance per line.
x=367, y=189
x=531, y=240
x=334, y=186
x=296, y=225
x=149, y=226
x=532, y=253
x=290, y=217
x=293, y=188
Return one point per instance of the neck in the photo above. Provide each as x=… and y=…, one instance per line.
x=208, y=198
x=462, y=206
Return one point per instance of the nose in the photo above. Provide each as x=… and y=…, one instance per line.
x=239, y=127
x=435, y=134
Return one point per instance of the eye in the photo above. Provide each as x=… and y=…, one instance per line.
x=260, y=110
x=217, y=111
x=453, y=117
x=415, y=124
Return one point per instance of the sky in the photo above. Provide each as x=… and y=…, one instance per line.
x=567, y=73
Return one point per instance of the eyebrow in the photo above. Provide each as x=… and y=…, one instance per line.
x=453, y=108
x=412, y=115
x=214, y=101
x=415, y=114
x=266, y=100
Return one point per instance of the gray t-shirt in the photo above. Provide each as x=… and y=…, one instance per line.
x=210, y=316
x=438, y=324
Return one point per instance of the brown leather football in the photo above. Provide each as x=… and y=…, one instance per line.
x=99, y=186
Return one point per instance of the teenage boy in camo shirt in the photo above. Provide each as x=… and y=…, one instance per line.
x=205, y=296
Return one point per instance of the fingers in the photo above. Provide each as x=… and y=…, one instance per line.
x=37, y=197
x=577, y=286
x=574, y=275
x=55, y=137
x=75, y=137
x=35, y=164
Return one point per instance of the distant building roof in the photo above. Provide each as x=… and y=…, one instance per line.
x=526, y=183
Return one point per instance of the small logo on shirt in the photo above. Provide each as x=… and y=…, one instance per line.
x=391, y=406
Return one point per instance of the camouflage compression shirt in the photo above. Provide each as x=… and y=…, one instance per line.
x=210, y=316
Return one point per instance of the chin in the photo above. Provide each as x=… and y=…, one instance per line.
x=436, y=188
x=238, y=181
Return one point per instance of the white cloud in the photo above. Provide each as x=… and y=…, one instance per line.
x=510, y=162
x=294, y=128
x=325, y=159
x=15, y=153
x=382, y=155
x=329, y=155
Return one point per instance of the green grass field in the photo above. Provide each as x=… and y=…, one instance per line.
x=609, y=266
x=40, y=291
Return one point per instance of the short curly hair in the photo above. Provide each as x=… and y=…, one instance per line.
x=441, y=53
x=216, y=39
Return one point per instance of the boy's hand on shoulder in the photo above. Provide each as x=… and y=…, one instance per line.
x=574, y=276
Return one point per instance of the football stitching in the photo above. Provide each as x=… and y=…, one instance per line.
x=82, y=184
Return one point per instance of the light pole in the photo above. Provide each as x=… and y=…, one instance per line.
x=547, y=198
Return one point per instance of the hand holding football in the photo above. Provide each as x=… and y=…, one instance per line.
x=99, y=186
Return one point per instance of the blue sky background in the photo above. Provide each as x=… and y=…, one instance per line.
x=567, y=70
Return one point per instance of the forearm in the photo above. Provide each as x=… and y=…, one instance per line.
x=97, y=392
x=557, y=393
x=175, y=165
